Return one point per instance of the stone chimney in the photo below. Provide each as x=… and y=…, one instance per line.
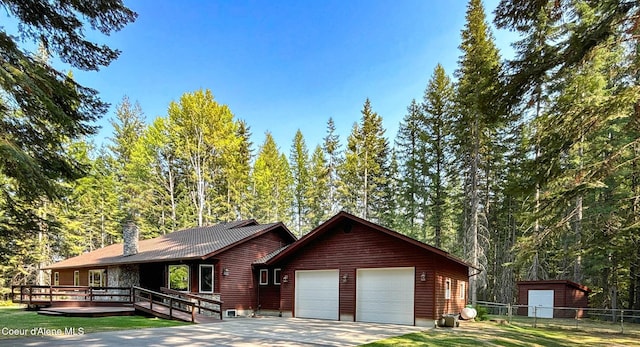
x=130, y=235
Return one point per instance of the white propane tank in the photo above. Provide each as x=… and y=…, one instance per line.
x=468, y=313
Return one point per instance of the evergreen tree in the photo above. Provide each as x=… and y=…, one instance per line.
x=318, y=200
x=411, y=151
x=363, y=174
x=43, y=108
x=477, y=90
x=438, y=116
x=239, y=179
x=127, y=130
x=272, y=182
x=331, y=147
x=299, y=159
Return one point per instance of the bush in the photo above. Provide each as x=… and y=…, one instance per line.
x=482, y=313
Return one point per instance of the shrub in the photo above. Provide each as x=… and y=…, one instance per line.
x=482, y=313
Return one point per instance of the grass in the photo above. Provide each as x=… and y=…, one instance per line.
x=15, y=317
x=493, y=334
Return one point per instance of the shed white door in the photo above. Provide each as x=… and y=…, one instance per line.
x=385, y=295
x=317, y=294
x=541, y=303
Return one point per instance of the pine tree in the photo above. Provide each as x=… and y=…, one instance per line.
x=366, y=160
x=127, y=127
x=42, y=108
x=438, y=116
x=411, y=152
x=318, y=200
x=331, y=147
x=478, y=83
x=299, y=159
x=272, y=182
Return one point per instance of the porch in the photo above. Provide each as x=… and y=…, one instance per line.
x=82, y=301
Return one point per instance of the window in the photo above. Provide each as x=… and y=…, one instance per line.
x=264, y=277
x=447, y=288
x=276, y=276
x=179, y=277
x=206, y=278
x=463, y=290
x=56, y=278
x=97, y=278
x=76, y=278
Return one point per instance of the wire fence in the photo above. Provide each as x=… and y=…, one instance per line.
x=586, y=319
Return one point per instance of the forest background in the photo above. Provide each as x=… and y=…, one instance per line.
x=528, y=168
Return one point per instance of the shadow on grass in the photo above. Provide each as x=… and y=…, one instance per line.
x=482, y=333
x=16, y=318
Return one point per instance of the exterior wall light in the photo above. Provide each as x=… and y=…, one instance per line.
x=423, y=277
x=225, y=272
x=345, y=277
x=285, y=279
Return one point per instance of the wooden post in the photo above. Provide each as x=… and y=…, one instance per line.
x=170, y=307
x=90, y=294
x=193, y=313
x=50, y=295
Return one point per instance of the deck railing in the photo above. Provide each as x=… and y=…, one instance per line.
x=171, y=301
x=47, y=295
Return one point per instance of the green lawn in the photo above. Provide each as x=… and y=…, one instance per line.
x=492, y=334
x=16, y=318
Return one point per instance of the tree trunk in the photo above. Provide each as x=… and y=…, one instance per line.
x=473, y=227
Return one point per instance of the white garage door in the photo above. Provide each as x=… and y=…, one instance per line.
x=542, y=300
x=317, y=294
x=385, y=295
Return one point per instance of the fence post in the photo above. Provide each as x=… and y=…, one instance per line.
x=509, y=312
x=170, y=307
x=622, y=321
x=535, y=316
x=576, y=318
x=193, y=313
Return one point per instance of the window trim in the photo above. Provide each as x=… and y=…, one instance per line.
x=447, y=289
x=76, y=278
x=213, y=281
x=103, y=278
x=188, y=277
x=276, y=276
x=463, y=290
x=266, y=277
x=56, y=278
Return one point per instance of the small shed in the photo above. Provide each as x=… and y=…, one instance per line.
x=540, y=297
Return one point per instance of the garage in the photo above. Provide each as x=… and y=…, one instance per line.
x=385, y=295
x=316, y=294
x=541, y=303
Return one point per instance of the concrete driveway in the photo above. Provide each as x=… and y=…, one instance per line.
x=264, y=331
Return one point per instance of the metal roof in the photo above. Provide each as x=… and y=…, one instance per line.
x=193, y=243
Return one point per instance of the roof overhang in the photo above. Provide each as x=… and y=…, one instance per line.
x=348, y=220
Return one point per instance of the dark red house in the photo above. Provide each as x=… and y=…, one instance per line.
x=354, y=270
x=345, y=269
x=214, y=260
x=541, y=297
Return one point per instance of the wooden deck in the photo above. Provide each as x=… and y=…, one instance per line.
x=79, y=301
x=94, y=311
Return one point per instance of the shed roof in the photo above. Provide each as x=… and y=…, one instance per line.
x=343, y=216
x=547, y=282
x=193, y=243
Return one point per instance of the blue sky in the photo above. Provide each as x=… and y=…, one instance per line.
x=284, y=65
